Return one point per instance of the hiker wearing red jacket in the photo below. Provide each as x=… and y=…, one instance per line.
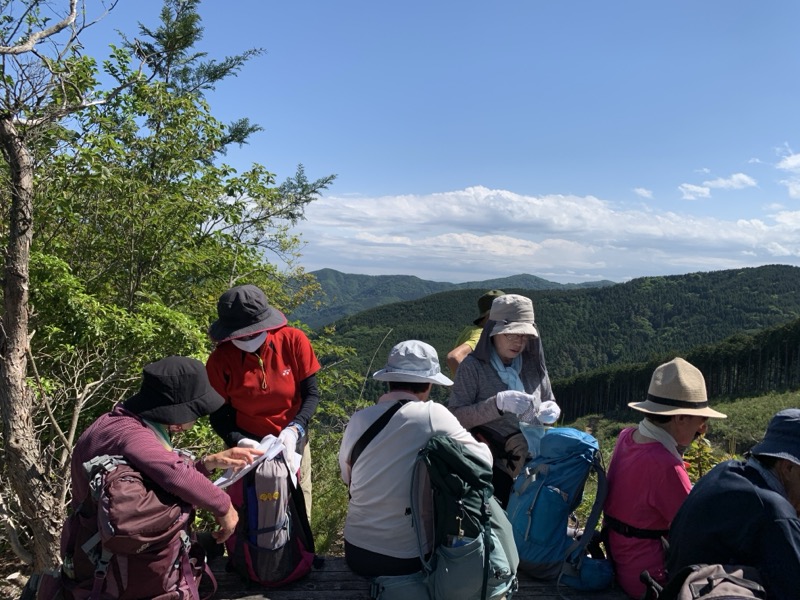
x=266, y=373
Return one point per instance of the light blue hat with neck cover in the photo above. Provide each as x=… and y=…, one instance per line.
x=413, y=361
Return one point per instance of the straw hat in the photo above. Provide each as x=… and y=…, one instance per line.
x=677, y=388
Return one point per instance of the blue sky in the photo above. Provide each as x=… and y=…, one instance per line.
x=573, y=140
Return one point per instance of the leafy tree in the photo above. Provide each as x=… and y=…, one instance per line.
x=44, y=82
x=138, y=229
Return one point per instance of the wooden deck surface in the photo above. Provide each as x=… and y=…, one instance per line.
x=335, y=581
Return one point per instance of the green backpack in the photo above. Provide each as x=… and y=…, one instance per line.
x=474, y=556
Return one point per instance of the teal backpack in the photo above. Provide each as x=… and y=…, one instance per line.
x=474, y=556
x=546, y=492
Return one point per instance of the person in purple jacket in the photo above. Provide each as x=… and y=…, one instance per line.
x=174, y=393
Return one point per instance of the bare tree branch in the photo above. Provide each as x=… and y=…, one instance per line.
x=10, y=526
x=37, y=36
x=45, y=399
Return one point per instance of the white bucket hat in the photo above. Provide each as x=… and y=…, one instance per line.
x=512, y=313
x=677, y=388
x=413, y=361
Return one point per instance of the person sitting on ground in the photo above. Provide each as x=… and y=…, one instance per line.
x=647, y=478
x=378, y=534
x=174, y=393
x=505, y=381
x=745, y=512
x=469, y=336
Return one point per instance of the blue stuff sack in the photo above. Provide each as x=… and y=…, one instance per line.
x=592, y=575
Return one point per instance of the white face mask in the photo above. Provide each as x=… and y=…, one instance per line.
x=251, y=345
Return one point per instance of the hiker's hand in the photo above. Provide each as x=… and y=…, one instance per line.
x=289, y=438
x=227, y=525
x=549, y=412
x=247, y=443
x=235, y=458
x=513, y=401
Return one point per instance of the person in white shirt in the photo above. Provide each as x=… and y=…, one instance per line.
x=379, y=537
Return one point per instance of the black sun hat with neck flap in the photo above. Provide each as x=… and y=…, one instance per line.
x=243, y=310
x=175, y=390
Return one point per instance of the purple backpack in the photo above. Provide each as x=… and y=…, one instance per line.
x=129, y=540
x=273, y=544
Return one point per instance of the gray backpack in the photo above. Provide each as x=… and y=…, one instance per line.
x=721, y=582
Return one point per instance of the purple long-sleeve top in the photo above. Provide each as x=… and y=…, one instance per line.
x=122, y=433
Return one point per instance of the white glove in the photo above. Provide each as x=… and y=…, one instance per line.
x=289, y=438
x=513, y=401
x=549, y=412
x=247, y=443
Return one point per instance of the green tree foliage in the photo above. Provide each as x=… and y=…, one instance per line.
x=139, y=226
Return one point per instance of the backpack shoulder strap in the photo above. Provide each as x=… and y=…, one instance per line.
x=578, y=547
x=416, y=509
x=299, y=510
x=373, y=431
x=486, y=512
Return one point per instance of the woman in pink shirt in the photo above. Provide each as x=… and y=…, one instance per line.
x=647, y=478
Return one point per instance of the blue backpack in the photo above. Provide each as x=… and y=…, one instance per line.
x=545, y=493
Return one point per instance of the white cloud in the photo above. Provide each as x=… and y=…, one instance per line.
x=737, y=181
x=479, y=233
x=788, y=218
x=790, y=163
x=792, y=186
x=693, y=192
x=643, y=192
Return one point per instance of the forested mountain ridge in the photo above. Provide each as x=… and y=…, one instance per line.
x=742, y=365
x=345, y=294
x=586, y=329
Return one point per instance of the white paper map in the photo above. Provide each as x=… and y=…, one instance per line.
x=272, y=447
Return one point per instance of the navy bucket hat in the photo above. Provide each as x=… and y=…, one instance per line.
x=782, y=438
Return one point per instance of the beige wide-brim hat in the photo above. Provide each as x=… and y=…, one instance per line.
x=677, y=388
x=512, y=313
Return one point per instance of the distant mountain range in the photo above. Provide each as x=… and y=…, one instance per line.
x=582, y=330
x=345, y=294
